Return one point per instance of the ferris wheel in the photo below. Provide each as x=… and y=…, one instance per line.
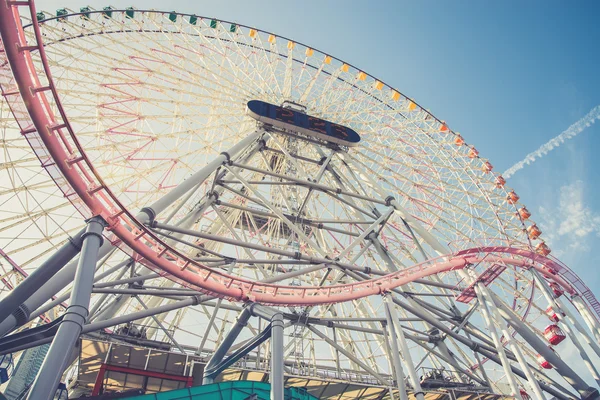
x=223, y=184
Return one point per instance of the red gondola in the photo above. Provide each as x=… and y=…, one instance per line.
x=554, y=334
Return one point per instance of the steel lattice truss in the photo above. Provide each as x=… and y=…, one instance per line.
x=412, y=225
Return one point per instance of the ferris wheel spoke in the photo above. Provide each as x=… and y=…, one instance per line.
x=349, y=355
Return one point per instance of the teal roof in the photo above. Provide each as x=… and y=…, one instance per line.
x=234, y=390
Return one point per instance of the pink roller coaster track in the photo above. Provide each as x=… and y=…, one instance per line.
x=60, y=153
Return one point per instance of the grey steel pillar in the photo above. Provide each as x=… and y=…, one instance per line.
x=49, y=289
x=513, y=346
x=276, y=319
x=412, y=373
x=95, y=326
x=396, y=357
x=575, y=322
x=221, y=351
x=534, y=341
x=13, y=303
x=382, y=251
x=534, y=385
x=55, y=363
x=63, y=297
x=482, y=349
x=589, y=319
x=443, y=348
x=567, y=326
x=276, y=378
x=491, y=326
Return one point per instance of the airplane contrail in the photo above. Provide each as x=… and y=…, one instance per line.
x=569, y=133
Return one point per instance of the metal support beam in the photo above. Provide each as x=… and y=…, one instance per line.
x=396, y=356
x=309, y=184
x=197, y=178
x=13, y=302
x=423, y=306
x=589, y=319
x=575, y=322
x=276, y=374
x=484, y=350
x=568, y=327
x=221, y=351
x=348, y=354
x=513, y=346
x=95, y=326
x=277, y=350
x=273, y=250
x=412, y=373
x=161, y=326
x=456, y=371
x=46, y=383
x=491, y=326
x=47, y=307
x=450, y=360
x=239, y=353
x=50, y=288
x=408, y=218
x=534, y=341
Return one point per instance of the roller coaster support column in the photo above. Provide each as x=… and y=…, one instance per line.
x=13, y=303
x=63, y=297
x=542, y=348
x=49, y=288
x=45, y=384
x=198, y=177
x=277, y=357
x=512, y=345
x=589, y=319
x=491, y=326
x=192, y=217
x=382, y=251
x=276, y=318
x=221, y=351
x=575, y=322
x=412, y=373
x=396, y=356
x=567, y=326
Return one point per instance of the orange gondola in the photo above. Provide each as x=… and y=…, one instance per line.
x=512, y=197
x=524, y=213
x=500, y=182
x=487, y=167
x=534, y=232
x=473, y=152
x=542, y=249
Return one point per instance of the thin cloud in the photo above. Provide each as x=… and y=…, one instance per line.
x=570, y=224
x=569, y=133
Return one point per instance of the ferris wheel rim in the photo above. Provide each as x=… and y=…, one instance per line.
x=136, y=229
x=122, y=10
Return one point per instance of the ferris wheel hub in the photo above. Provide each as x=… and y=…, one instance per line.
x=297, y=121
x=294, y=106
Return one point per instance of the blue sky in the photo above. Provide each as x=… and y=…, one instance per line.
x=507, y=75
